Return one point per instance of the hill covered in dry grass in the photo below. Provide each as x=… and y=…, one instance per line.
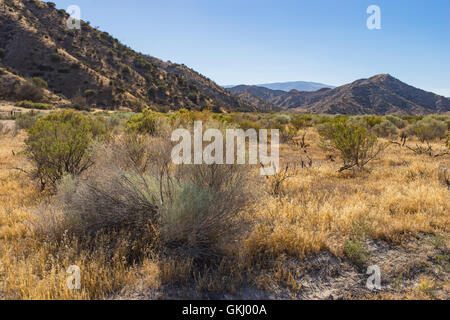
x=93, y=68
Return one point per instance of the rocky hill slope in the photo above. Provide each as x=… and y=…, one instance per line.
x=93, y=66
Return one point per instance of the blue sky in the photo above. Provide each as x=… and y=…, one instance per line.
x=260, y=41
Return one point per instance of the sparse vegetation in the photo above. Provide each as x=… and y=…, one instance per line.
x=34, y=105
x=127, y=208
x=27, y=120
x=87, y=177
x=429, y=129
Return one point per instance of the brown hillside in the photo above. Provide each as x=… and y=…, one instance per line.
x=35, y=42
x=381, y=94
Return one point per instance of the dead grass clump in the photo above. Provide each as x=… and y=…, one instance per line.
x=444, y=175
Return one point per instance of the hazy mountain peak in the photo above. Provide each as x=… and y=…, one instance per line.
x=380, y=94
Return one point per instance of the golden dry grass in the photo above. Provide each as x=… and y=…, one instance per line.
x=397, y=199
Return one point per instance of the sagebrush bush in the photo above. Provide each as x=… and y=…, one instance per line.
x=58, y=144
x=428, y=129
x=27, y=120
x=110, y=200
x=397, y=121
x=281, y=119
x=384, y=129
x=203, y=209
x=186, y=210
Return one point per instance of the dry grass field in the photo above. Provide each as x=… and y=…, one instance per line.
x=311, y=239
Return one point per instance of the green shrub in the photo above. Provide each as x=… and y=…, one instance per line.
x=372, y=121
x=59, y=144
x=384, y=129
x=428, y=129
x=146, y=122
x=281, y=119
x=33, y=105
x=322, y=119
x=41, y=83
x=354, y=143
x=397, y=121
x=2, y=52
x=287, y=132
x=301, y=121
x=245, y=124
x=356, y=252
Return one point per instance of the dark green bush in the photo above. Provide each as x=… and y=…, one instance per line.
x=41, y=83
x=29, y=91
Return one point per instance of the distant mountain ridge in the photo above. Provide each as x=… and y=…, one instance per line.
x=288, y=86
x=381, y=94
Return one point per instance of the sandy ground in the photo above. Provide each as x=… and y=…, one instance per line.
x=403, y=269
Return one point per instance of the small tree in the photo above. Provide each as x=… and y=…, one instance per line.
x=354, y=143
x=58, y=145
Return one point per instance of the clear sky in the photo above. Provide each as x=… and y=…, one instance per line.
x=260, y=41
